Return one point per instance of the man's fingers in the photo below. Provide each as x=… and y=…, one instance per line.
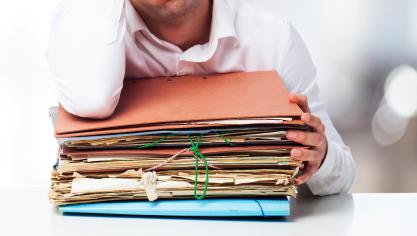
x=313, y=121
x=307, y=174
x=307, y=117
x=300, y=100
x=314, y=139
x=301, y=154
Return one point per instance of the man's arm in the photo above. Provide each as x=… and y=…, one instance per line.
x=329, y=164
x=86, y=55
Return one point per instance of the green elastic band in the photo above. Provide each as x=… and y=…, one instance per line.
x=198, y=154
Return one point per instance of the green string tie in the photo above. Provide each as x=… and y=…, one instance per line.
x=198, y=155
x=146, y=145
x=195, y=149
x=226, y=140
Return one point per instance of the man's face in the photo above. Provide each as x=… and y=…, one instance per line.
x=165, y=10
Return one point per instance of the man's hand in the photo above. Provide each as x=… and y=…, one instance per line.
x=316, y=139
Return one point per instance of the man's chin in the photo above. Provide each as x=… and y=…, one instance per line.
x=173, y=10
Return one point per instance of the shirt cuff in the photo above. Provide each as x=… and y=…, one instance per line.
x=317, y=183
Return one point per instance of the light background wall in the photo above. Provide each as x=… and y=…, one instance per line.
x=355, y=45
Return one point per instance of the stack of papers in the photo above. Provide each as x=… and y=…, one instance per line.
x=190, y=137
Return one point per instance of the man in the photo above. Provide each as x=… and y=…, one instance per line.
x=96, y=44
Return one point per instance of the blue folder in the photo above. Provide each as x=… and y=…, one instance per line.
x=186, y=208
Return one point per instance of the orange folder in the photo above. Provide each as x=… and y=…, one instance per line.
x=169, y=102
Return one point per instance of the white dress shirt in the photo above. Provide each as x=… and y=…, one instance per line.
x=96, y=44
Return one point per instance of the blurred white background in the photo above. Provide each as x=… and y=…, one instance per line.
x=365, y=52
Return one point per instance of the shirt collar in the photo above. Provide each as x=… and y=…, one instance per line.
x=134, y=21
x=222, y=26
x=223, y=21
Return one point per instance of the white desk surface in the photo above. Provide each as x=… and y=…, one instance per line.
x=28, y=212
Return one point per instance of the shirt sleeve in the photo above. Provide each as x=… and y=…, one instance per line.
x=299, y=73
x=86, y=55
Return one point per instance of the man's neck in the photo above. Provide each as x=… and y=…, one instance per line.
x=189, y=30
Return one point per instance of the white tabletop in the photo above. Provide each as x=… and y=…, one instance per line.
x=28, y=212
